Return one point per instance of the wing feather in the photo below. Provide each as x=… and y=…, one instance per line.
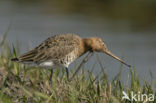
x=28, y=56
x=53, y=48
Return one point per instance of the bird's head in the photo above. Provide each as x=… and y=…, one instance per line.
x=95, y=44
x=98, y=45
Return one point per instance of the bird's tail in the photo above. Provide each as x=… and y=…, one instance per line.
x=15, y=59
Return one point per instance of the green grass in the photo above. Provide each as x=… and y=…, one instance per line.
x=21, y=84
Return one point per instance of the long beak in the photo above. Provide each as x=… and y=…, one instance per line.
x=115, y=57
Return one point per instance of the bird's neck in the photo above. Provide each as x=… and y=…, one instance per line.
x=86, y=45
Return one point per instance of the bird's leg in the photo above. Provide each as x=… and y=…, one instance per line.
x=82, y=63
x=67, y=73
x=50, y=78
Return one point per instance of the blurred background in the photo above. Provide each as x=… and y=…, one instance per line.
x=127, y=26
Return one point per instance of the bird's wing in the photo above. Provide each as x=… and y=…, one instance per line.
x=53, y=48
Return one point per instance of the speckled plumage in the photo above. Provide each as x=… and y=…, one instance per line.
x=61, y=50
x=55, y=51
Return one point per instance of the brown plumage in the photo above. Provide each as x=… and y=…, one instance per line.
x=57, y=49
x=61, y=50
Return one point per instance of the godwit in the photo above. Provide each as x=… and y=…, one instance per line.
x=61, y=50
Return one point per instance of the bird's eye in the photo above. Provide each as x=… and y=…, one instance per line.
x=103, y=42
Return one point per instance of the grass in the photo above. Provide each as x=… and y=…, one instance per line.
x=21, y=84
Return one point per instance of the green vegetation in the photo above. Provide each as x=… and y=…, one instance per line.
x=20, y=84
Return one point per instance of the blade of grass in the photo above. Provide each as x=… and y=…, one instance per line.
x=5, y=35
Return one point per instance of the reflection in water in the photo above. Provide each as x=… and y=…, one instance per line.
x=32, y=23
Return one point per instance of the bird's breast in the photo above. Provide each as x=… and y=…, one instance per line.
x=69, y=58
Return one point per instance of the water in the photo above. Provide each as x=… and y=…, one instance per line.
x=30, y=27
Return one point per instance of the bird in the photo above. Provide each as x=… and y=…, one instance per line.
x=59, y=51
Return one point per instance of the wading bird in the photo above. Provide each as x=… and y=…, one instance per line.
x=62, y=50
